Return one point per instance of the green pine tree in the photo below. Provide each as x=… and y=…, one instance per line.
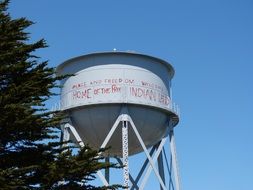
x=30, y=156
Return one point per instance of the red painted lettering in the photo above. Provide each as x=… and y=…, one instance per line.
x=143, y=93
x=82, y=94
x=115, y=88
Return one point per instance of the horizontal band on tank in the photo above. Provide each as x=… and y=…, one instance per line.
x=172, y=112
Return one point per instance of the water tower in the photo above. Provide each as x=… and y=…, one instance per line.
x=122, y=100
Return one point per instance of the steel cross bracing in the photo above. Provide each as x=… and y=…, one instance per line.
x=154, y=156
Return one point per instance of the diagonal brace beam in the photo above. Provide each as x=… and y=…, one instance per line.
x=146, y=152
x=147, y=174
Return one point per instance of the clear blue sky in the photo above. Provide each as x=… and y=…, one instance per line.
x=210, y=45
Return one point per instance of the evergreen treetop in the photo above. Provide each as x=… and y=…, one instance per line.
x=29, y=159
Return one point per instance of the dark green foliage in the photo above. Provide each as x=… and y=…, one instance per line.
x=29, y=157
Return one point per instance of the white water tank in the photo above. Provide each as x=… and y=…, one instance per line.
x=103, y=84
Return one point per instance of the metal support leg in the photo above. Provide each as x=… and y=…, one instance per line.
x=125, y=153
x=107, y=170
x=174, y=160
x=169, y=166
x=161, y=168
x=130, y=177
x=66, y=135
x=121, y=118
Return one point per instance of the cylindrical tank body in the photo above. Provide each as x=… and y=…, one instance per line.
x=105, y=84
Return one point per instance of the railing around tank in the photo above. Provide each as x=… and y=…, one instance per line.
x=56, y=106
x=174, y=108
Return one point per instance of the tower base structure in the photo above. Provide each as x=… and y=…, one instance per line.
x=156, y=157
